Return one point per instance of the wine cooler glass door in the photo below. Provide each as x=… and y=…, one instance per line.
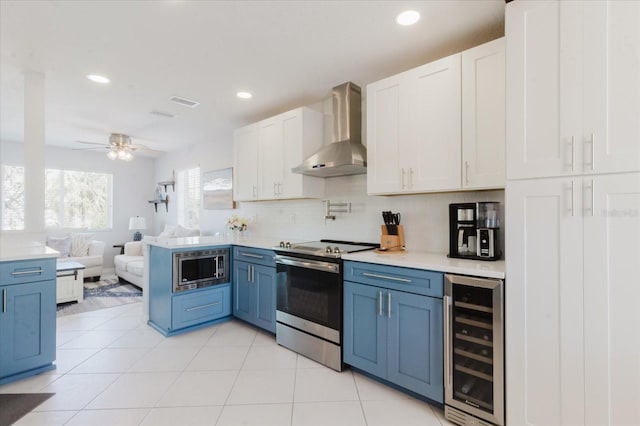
x=474, y=354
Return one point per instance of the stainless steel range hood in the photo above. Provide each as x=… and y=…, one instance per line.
x=346, y=155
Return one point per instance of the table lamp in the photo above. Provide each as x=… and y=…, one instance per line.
x=137, y=223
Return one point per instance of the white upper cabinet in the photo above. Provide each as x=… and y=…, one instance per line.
x=270, y=157
x=573, y=103
x=278, y=144
x=245, y=163
x=430, y=158
x=439, y=127
x=385, y=121
x=413, y=130
x=483, y=116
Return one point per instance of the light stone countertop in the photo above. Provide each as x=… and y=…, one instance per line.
x=26, y=252
x=432, y=262
x=408, y=259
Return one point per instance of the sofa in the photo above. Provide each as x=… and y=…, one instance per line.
x=130, y=265
x=80, y=248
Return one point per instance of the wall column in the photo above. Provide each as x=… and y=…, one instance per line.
x=34, y=150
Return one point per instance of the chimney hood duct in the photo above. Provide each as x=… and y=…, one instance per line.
x=345, y=155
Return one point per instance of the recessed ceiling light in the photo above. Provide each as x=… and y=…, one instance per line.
x=244, y=95
x=408, y=17
x=98, y=78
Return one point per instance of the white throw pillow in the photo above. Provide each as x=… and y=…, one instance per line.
x=181, y=231
x=169, y=231
x=61, y=244
x=80, y=244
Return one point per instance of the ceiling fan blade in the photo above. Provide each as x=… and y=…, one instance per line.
x=85, y=149
x=92, y=143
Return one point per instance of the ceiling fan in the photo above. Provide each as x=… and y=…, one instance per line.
x=119, y=146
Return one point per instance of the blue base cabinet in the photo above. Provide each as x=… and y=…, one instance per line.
x=254, y=287
x=173, y=313
x=392, y=330
x=27, y=318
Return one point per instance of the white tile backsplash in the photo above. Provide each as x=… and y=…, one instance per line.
x=425, y=216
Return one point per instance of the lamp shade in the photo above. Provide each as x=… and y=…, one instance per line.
x=137, y=222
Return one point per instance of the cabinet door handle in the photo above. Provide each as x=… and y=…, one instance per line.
x=195, y=308
x=410, y=177
x=388, y=304
x=249, y=273
x=386, y=277
x=256, y=256
x=466, y=173
x=380, y=303
x=402, y=176
x=592, y=208
x=279, y=188
x=446, y=300
x=573, y=153
x=253, y=274
x=573, y=199
x=4, y=300
x=593, y=151
x=254, y=191
x=31, y=271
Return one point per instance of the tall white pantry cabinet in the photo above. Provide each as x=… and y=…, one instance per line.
x=573, y=213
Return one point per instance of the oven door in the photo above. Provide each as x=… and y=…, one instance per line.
x=310, y=289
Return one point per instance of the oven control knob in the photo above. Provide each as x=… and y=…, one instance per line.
x=281, y=244
x=328, y=249
x=336, y=249
x=287, y=244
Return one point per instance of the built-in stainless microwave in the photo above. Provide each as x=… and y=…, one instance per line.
x=200, y=268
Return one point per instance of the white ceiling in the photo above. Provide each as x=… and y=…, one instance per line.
x=287, y=53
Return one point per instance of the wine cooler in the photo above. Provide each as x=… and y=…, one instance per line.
x=474, y=350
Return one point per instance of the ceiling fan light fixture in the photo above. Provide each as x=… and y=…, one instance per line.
x=112, y=155
x=128, y=156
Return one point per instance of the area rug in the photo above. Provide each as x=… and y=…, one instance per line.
x=16, y=405
x=106, y=293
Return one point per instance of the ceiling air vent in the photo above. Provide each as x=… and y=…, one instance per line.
x=162, y=114
x=184, y=101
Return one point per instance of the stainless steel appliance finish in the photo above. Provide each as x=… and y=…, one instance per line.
x=200, y=268
x=474, y=350
x=309, y=298
x=346, y=155
x=324, y=248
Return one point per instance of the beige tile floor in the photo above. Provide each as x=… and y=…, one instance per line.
x=113, y=369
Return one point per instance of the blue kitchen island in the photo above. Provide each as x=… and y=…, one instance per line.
x=178, y=308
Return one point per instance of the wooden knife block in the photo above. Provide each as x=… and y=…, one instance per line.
x=392, y=242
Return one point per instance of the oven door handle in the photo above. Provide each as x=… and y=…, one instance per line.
x=333, y=268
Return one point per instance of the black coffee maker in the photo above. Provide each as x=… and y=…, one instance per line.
x=473, y=230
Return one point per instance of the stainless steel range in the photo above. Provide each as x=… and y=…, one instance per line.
x=309, y=298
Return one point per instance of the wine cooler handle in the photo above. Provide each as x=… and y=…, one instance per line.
x=448, y=350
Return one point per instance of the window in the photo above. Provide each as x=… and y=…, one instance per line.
x=12, y=197
x=188, y=194
x=77, y=199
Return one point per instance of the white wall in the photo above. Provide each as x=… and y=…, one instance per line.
x=133, y=186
